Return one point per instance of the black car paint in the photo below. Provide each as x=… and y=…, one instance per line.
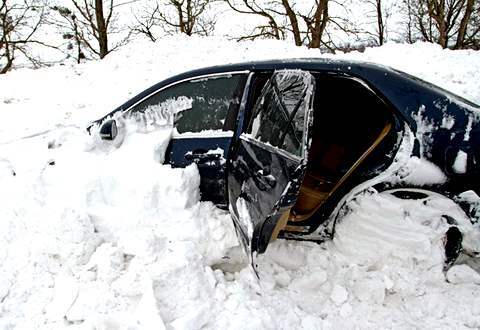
x=211, y=164
x=408, y=97
x=268, y=172
x=261, y=174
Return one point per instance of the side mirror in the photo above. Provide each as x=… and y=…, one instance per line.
x=108, y=130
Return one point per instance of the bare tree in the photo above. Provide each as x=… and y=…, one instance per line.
x=188, y=17
x=307, y=26
x=468, y=34
x=146, y=21
x=95, y=24
x=19, y=23
x=380, y=14
x=175, y=16
x=409, y=14
x=72, y=31
x=450, y=23
x=316, y=21
x=90, y=24
x=272, y=29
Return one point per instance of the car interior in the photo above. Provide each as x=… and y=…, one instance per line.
x=350, y=121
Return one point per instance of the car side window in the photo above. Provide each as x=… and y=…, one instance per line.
x=279, y=113
x=215, y=102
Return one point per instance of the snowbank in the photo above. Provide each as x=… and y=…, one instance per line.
x=94, y=236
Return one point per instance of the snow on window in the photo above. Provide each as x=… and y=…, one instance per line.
x=214, y=102
x=162, y=114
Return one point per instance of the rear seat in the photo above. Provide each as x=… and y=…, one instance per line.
x=312, y=193
x=325, y=174
x=322, y=174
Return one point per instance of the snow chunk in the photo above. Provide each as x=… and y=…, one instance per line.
x=419, y=171
x=460, y=274
x=147, y=313
x=468, y=129
x=339, y=295
x=448, y=122
x=370, y=289
x=460, y=164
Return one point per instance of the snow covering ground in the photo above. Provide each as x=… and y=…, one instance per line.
x=98, y=237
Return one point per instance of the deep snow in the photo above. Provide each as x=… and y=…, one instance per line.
x=95, y=236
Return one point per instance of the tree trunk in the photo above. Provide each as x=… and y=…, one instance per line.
x=9, y=57
x=190, y=22
x=409, y=22
x=436, y=10
x=320, y=20
x=293, y=22
x=102, y=29
x=462, y=30
x=381, y=27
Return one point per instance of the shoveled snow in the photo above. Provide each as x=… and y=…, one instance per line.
x=94, y=235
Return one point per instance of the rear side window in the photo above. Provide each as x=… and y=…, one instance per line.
x=279, y=113
x=215, y=102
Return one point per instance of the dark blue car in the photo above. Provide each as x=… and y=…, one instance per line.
x=286, y=144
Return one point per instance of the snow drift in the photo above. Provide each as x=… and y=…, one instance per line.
x=100, y=236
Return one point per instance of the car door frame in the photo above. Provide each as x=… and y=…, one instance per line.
x=221, y=137
x=289, y=194
x=359, y=180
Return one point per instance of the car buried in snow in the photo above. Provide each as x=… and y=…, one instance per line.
x=286, y=144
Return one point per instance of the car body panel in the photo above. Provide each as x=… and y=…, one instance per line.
x=210, y=155
x=258, y=183
x=430, y=124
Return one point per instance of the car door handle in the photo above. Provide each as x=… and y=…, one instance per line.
x=202, y=155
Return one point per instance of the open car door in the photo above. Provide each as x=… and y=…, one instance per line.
x=268, y=163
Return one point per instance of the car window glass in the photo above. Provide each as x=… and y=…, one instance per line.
x=215, y=102
x=279, y=114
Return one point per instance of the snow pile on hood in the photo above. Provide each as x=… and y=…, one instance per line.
x=94, y=235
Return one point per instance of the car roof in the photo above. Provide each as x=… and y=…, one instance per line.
x=311, y=64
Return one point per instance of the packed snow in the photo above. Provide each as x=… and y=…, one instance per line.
x=95, y=235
